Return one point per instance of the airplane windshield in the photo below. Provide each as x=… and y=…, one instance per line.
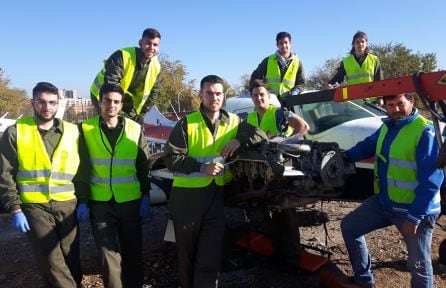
x=325, y=115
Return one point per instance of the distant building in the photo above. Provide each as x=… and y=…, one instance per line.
x=67, y=94
x=79, y=105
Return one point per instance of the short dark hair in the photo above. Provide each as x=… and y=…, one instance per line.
x=257, y=84
x=409, y=96
x=357, y=35
x=44, y=87
x=213, y=79
x=151, y=33
x=107, y=88
x=282, y=35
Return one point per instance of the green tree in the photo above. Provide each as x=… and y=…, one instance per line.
x=244, y=79
x=174, y=92
x=233, y=91
x=398, y=60
x=70, y=114
x=12, y=100
x=229, y=90
x=322, y=75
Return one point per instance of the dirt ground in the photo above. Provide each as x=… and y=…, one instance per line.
x=241, y=269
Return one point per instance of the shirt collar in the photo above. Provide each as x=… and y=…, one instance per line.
x=140, y=56
x=403, y=121
x=58, y=125
x=223, y=116
x=120, y=122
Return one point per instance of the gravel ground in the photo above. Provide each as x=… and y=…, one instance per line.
x=241, y=269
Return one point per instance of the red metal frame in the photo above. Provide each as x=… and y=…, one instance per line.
x=261, y=244
x=431, y=85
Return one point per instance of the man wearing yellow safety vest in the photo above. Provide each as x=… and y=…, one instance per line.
x=285, y=229
x=116, y=187
x=270, y=118
x=282, y=71
x=39, y=157
x=136, y=70
x=196, y=153
x=407, y=191
x=360, y=66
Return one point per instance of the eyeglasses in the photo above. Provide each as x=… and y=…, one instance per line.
x=110, y=101
x=41, y=102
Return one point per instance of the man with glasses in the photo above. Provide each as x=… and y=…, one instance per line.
x=115, y=186
x=39, y=157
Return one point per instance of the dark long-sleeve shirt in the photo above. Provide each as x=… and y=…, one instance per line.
x=341, y=73
x=176, y=149
x=260, y=74
x=9, y=162
x=112, y=134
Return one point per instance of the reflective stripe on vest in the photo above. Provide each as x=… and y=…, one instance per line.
x=206, y=149
x=129, y=61
x=402, y=166
x=114, y=180
x=45, y=173
x=281, y=87
x=268, y=122
x=355, y=73
x=113, y=170
x=44, y=188
x=40, y=179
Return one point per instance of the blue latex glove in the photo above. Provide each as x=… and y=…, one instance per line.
x=144, y=208
x=82, y=213
x=20, y=223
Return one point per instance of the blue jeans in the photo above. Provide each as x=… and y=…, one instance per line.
x=370, y=216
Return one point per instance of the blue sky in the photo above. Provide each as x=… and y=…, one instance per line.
x=65, y=42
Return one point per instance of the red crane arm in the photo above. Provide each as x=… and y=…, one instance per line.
x=431, y=85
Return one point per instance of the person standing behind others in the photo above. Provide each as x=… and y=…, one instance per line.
x=136, y=70
x=282, y=71
x=270, y=118
x=407, y=190
x=195, y=153
x=360, y=66
x=285, y=234
x=115, y=189
x=39, y=158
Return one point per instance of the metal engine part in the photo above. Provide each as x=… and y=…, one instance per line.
x=281, y=175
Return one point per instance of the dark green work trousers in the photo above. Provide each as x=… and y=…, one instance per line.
x=54, y=238
x=118, y=234
x=199, y=224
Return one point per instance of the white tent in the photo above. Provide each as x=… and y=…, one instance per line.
x=155, y=117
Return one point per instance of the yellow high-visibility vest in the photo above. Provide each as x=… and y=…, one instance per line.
x=39, y=178
x=355, y=73
x=268, y=122
x=113, y=170
x=402, y=170
x=281, y=87
x=206, y=149
x=129, y=60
